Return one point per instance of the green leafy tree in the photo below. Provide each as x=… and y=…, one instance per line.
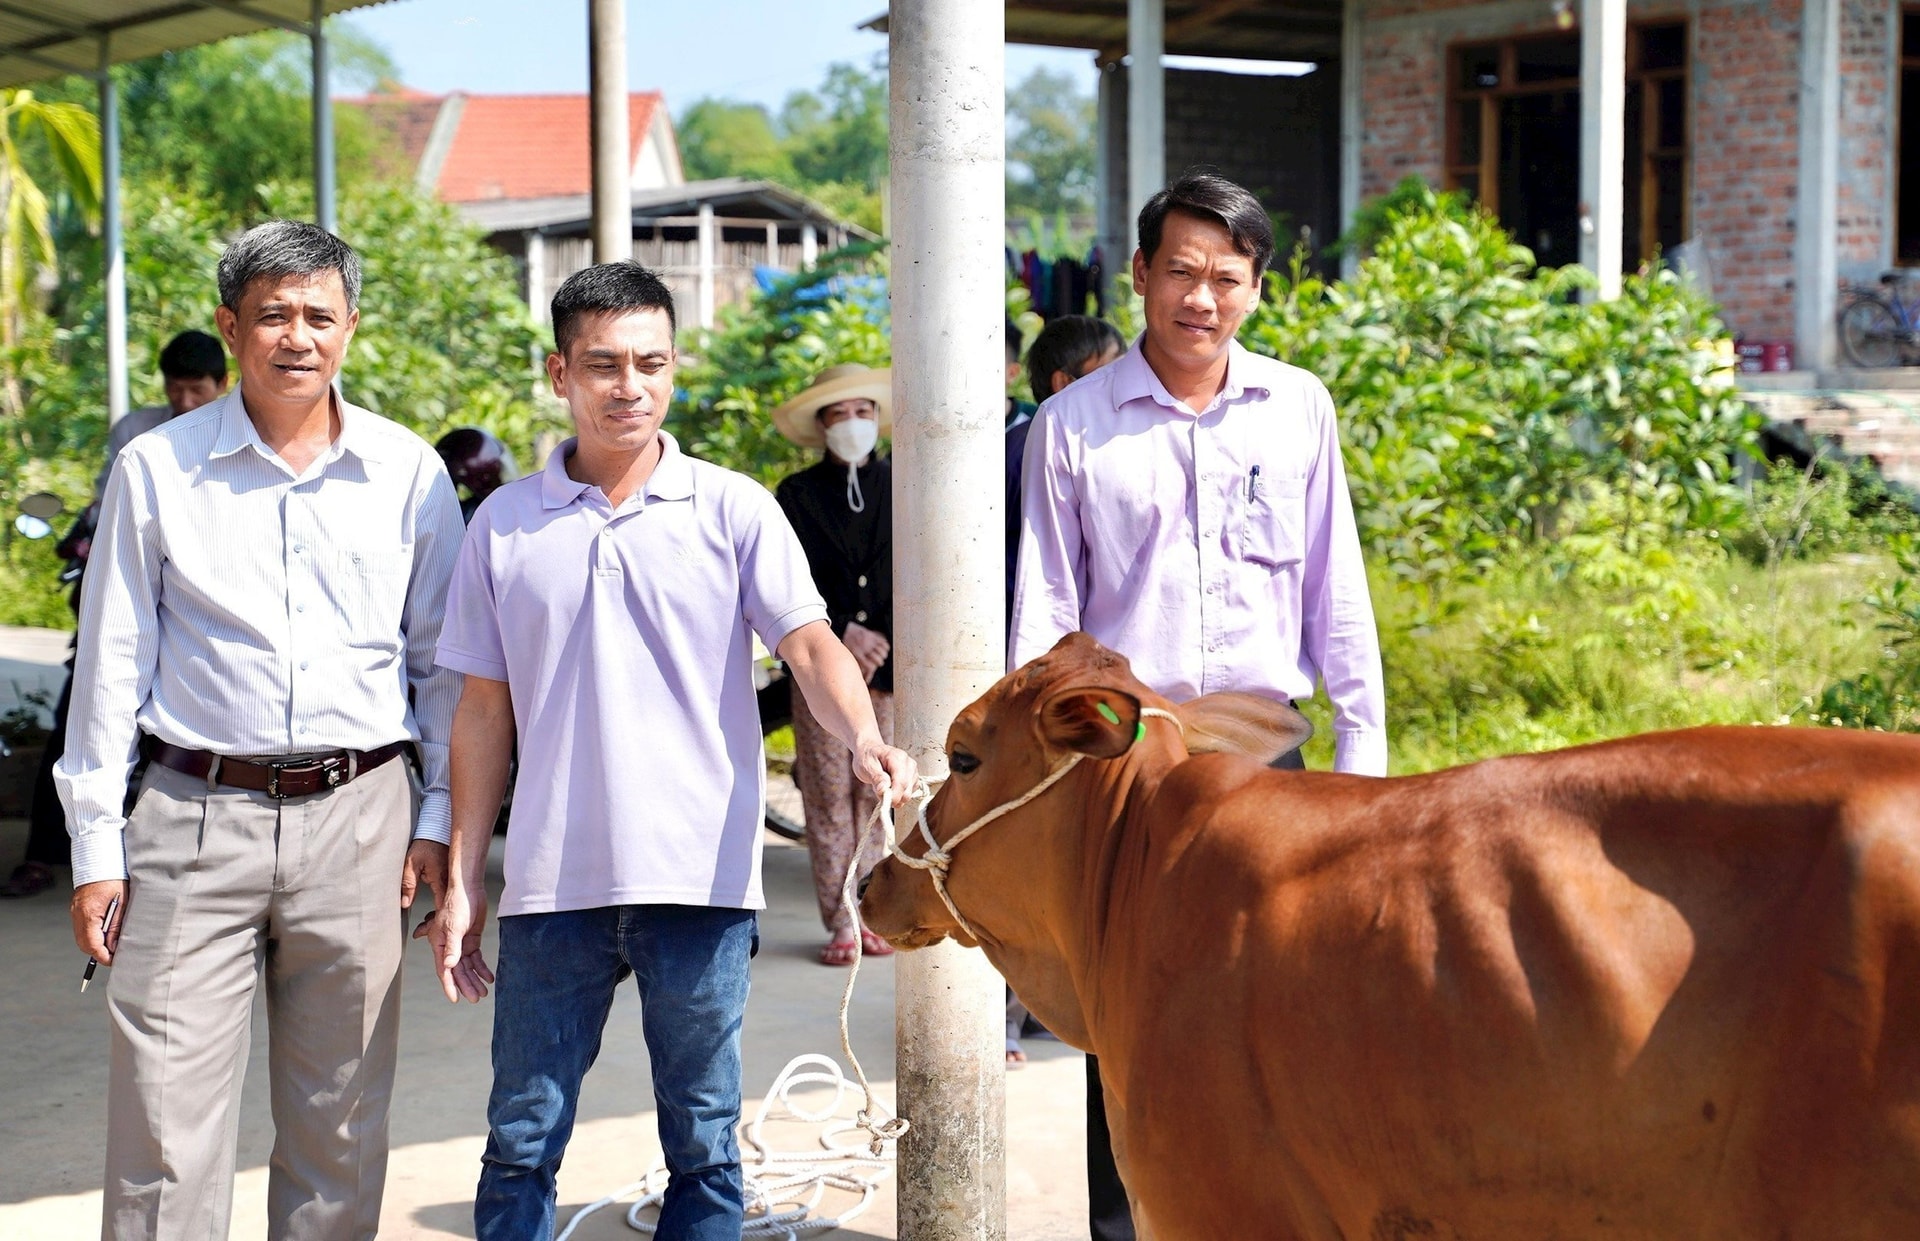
x=223, y=120
x=839, y=134
x=721, y=138
x=768, y=350
x=70, y=137
x=1051, y=161
x=830, y=144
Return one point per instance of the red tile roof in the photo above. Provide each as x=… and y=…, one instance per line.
x=507, y=146
x=530, y=146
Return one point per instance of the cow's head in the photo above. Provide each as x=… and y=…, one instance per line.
x=1080, y=698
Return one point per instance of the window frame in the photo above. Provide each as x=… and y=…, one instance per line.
x=1485, y=172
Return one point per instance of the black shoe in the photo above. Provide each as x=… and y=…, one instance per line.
x=28, y=879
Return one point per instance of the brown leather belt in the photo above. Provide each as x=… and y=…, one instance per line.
x=279, y=778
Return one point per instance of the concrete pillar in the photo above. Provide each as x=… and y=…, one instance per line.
x=809, y=245
x=1352, y=49
x=612, y=144
x=703, y=288
x=1114, y=226
x=1603, y=148
x=323, y=182
x=1146, y=104
x=947, y=170
x=537, y=276
x=773, y=244
x=1817, y=207
x=113, y=247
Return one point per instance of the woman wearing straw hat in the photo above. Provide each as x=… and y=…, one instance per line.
x=842, y=509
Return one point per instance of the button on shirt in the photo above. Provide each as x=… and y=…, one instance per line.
x=626, y=639
x=231, y=606
x=1216, y=550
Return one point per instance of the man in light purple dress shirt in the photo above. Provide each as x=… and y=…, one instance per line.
x=1187, y=506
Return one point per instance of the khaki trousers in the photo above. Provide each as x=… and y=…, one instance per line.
x=222, y=883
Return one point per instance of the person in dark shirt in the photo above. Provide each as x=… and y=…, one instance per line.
x=1070, y=347
x=842, y=509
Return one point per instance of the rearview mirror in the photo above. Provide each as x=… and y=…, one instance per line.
x=43, y=505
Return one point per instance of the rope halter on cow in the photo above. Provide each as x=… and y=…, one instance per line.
x=937, y=861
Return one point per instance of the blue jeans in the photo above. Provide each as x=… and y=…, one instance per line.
x=556, y=980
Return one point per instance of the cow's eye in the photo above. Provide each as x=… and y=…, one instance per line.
x=963, y=762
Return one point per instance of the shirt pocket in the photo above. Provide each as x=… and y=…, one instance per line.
x=373, y=589
x=1273, y=525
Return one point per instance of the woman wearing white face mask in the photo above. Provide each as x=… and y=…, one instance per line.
x=842, y=509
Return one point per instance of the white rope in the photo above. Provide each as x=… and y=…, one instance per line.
x=784, y=1188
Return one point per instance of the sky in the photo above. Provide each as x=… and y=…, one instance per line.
x=756, y=51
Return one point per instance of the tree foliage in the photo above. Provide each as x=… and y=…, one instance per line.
x=1051, y=160
x=69, y=138
x=829, y=143
x=222, y=120
x=767, y=350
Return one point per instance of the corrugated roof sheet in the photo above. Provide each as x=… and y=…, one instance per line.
x=726, y=195
x=63, y=36
x=1247, y=29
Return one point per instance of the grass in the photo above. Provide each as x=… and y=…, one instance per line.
x=1544, y=655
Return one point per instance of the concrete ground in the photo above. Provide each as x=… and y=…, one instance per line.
x=52, y=1107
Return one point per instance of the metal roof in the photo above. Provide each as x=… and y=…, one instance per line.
x=41, y=39
x=1236, y=29
x=765, y=199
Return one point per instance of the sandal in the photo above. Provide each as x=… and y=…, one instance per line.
x=28, y=879
x=873, y=946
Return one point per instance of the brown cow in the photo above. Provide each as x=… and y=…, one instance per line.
x=1663, y=987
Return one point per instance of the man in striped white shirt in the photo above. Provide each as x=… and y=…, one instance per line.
x=260, y=615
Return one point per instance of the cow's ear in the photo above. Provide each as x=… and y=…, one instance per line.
x=1236, y=723
x=1095, y=720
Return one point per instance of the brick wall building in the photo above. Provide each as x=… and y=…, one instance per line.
x=1485, y=97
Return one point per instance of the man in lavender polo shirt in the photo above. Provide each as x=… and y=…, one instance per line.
x=603, y=612
x=1187, y=507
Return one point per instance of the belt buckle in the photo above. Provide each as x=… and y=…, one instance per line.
x=333, y=770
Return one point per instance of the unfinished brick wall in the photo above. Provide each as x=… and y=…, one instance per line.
x=1745, y=126
x=1403, y=109
x=1278, y=136
x=1746, y=157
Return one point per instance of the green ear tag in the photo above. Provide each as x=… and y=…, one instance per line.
x=1107, y=713
x=1139, y=731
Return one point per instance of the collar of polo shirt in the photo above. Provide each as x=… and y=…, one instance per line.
x=672, y=478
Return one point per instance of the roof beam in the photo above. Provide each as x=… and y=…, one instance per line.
x=38, y=58
x=255, y=15
x=1205, y=18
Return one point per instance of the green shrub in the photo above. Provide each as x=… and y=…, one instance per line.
x=766, y=350
x=1888, y=695
x=1479, y=400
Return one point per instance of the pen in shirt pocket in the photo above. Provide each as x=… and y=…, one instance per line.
x=1253, y=483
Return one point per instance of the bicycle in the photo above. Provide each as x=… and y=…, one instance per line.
x=786, y=815
x=1878, y=327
